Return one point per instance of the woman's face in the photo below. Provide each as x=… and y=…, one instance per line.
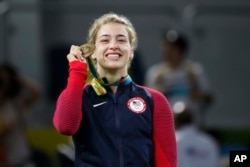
x=113, y=50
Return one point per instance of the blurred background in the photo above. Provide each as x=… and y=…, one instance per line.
x=35, y=36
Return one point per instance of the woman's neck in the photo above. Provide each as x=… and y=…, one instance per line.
x=112, y=75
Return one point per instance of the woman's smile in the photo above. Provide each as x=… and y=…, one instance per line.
x=113, y=56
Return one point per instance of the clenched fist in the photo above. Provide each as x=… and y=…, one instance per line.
x=75, y=53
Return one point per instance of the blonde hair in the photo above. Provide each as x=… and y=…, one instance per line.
x=113, y=18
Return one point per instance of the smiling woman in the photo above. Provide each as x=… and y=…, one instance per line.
x=113, y=121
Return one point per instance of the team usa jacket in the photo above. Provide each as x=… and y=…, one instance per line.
x=132, y=128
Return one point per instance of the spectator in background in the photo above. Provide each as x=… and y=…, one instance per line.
x=17, y=95
x=179, y=78
x=195, y=148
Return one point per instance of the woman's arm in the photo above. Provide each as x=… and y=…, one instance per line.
x=68, y=113
x=163, y=132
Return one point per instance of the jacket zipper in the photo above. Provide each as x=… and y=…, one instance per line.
x=119, y=135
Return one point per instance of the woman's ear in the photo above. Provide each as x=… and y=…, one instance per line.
x=131, y=55
x=93, y=56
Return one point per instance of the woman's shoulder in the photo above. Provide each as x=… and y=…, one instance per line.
x=154, y=93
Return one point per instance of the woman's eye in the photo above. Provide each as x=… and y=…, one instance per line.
x=104, y=40
x=121, y=40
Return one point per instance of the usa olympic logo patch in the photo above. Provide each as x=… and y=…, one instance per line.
x=136, y=105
